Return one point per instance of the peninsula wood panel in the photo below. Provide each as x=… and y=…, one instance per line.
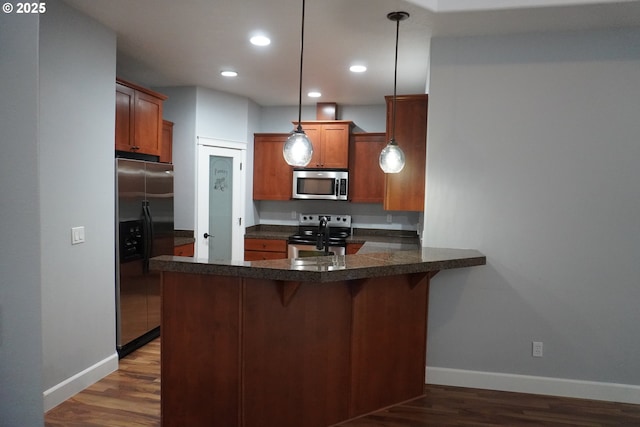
x=389, y=341
x=256, y=352
x=201, y=358
x=296, y=357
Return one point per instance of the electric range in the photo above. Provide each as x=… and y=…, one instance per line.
x=320, y=234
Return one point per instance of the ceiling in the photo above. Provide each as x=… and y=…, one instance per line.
x=188, y=43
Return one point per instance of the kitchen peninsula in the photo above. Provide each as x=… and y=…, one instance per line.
x=295, y=342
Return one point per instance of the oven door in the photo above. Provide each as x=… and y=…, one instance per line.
x=301, y=250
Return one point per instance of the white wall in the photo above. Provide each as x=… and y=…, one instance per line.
x=20, y=271
x=533, y=159
x=76, y=178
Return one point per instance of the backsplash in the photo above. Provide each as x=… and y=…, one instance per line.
x=362, y=215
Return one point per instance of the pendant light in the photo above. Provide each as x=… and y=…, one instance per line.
x=297, y=150
x=392, y=157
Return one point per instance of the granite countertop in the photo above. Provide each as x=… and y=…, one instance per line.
x=376, y=263
x=183, y=237
x=179, y=241
x=278, y=232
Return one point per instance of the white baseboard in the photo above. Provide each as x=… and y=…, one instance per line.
x=612, y=392
x=75, y=384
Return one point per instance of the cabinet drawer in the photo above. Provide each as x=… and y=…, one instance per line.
x=266, y=245
x=184, y=250
x=353, y=248
x=262, y=255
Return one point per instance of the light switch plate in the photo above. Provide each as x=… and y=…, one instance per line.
x=77, y=235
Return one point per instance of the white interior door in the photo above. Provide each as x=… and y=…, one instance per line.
x=219, y=209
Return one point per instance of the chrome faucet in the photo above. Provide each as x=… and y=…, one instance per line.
x=323, y=235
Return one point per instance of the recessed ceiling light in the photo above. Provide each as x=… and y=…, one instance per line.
x=229, y=73
x=357, y=68
x=260, y=40
x=314, y=94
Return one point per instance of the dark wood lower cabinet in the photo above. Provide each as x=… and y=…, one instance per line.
x=253, y=352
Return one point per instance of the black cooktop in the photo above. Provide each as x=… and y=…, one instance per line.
x=337, y=235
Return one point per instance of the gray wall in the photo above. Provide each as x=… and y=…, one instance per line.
x=366, y=118
x=76, y=175
x=202, y=112
x=180, y=108
x=20, y=255
x=533, y=159
x=57, y=311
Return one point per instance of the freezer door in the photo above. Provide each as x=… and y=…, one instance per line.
x=131, y=287
x=132, y=302
x=130, y=189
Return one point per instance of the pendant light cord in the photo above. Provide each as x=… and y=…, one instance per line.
x=301, y=56
x=395, y=80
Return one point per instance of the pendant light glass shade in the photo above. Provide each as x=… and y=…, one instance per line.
x=392, y=157
x=297, y=150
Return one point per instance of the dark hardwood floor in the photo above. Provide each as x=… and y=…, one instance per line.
x=128, y=397
x=131, y=397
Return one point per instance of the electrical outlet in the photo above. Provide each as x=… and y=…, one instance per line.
x=389, y=218
x=536, y=349
x=294, y=215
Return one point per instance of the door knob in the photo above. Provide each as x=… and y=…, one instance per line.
x=206, y=235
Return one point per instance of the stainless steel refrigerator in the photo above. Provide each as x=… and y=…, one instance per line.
x=144, y=229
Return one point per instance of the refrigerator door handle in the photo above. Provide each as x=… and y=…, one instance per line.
x=151, y=231
x=148, y=234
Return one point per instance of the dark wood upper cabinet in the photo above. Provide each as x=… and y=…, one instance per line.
x=166, y=154
x=366, y=179
x=272, y=176
x=138, y=119
x=330, y=141
x=405, y=191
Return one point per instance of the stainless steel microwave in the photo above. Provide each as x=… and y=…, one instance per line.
x=320, y=184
